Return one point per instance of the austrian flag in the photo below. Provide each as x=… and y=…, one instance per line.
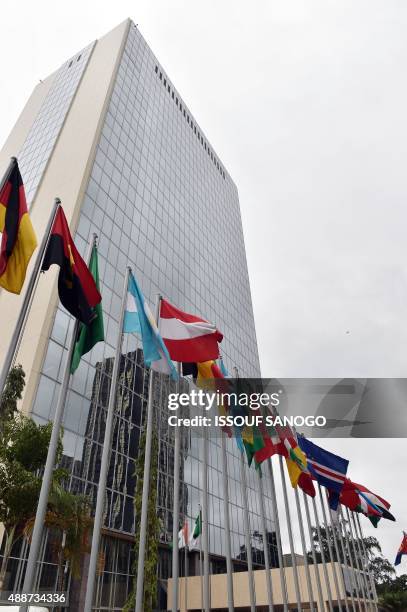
x=188, y=338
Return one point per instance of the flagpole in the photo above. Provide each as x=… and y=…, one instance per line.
x=304, y=551
x=278, y=536
x=205, y=525
x=200, y=558
x=106, y=452
x=361, y=563
x=229, y=567
x=339, y=528
x=186, y=572
x=28, y=586
x=246, y=524
x=146, y=484
x=370, y=590
x=7, y=173
x=290, y=535
x=372, y=582
x=331, y=556
x=336, y=545
x=265, y=545
x=201, y=576
x=314, y=556
x=324, y=567
x=175, y=512
x=31, y=286
x=360, y=588
x=354, y=581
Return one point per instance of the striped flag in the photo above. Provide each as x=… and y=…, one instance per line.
x=358, y=498
x=187, y=337
x=139, y=319
x=402, y=550
x=18, y=240
x=183, y=535
x=327, y=468
x=297, y=465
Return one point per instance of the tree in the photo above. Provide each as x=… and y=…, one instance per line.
x=13, y=391
x=393, y=601
x=153, y=527
x=383, y=571
x=372, y=547
x=393, y=593
x=68, y=518
x=23, y=452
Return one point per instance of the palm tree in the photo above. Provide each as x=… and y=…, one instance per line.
x=68, y=518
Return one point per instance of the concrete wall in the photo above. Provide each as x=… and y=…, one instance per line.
x=241, y=589
x=65, y=177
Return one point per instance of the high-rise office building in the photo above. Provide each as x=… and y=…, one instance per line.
x=110, y=135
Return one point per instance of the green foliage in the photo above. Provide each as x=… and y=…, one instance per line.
x=23, y=454
x=372, y=546
x=27, y=443
x=13, y=392
x=393, y=593
x=153, y=527
x=392, y=590
x=71, y=514
x=19, y=492
x=393, y=601
x=68, y=517
x=383, y=571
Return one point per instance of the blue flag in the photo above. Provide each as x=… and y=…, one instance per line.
x=223, y=368
x=139, y=319
x=327, y=469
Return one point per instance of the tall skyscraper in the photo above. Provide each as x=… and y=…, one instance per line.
x=110, y=135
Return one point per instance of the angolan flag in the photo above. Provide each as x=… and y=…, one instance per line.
x=187, y=337
x=76, y=286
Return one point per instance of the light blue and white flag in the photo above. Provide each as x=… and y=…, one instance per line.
x=139, y=319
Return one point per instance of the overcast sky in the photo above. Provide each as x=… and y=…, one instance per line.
x=305, y=103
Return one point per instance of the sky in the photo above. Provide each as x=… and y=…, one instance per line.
x=305, y=103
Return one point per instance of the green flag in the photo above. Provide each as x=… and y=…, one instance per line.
x=197, y=530
x=89, y=335
x=252, y=447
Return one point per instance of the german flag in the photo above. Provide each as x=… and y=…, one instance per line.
x=18, y=241
x=76, y=286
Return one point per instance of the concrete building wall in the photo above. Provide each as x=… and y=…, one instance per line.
x=66, y=177
x=241, y=589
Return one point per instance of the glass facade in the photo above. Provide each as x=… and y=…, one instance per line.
x=161, y=201
x=41, y=139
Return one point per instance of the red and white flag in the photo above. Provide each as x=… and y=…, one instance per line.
x=183, y=535
x=188, y=338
